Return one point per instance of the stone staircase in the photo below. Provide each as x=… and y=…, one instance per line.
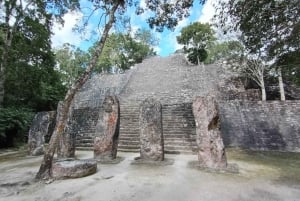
x=129, y=128
x=169, y=80
x=178, y=128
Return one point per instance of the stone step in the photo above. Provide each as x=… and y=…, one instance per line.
x=129, y=142
x=180, y=148
x=129, y=147
x=84, y=148
x=84, y=140
x=85, y=145
x=180, y=152
x=129, y=150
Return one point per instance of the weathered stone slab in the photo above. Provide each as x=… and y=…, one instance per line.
x=39, y=130
x=107, y=130
x=72, y=168
x=151, y=135
x=211, y=151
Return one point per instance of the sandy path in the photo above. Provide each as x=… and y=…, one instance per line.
x=128, y=182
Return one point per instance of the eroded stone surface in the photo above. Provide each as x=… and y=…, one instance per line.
x=107, y=130
x=151, y=135
x=72, y=168
x=211, y=151
x=39, y=130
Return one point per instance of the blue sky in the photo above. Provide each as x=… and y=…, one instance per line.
x=167, y=44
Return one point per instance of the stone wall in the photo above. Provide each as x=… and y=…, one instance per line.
x=97, y=87
x=83, y=122
x=271, y=125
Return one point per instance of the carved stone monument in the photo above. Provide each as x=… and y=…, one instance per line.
x=151, y=135
x=211, y=151
x=39, y=130
x=107, y=130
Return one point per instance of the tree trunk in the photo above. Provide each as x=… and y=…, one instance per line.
x=66, y=145
x=63, y=110
x=263, y=90
x=281, y=87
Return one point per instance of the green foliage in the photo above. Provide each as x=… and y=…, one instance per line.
x=196, y=38
x=166, y=14
x=269, y=28
x=31, y=80
x=70, y=63
x=14, y=125
x=122, y=51
x=290, y=65
x=229, y=50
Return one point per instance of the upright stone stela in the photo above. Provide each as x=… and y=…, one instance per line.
x=151, y=135
x=39, y=130
x=211, y=150
x=107, y=130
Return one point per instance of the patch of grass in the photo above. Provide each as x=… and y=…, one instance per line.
x=287, y=163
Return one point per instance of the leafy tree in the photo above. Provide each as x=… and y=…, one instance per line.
x=269, y=28
x=228, y=50
x=146, y=37
x=16, y=15
x=122, y=51
x=70, y=63
x=27, y=77
x=30, y=77
x=196, y=38
x=255, y=70
x=14, y=123
x=290, y=62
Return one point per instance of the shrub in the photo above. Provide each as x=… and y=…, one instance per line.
x=14, y=125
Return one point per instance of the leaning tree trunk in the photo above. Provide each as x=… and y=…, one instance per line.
x=63, y=110
x=280, y=82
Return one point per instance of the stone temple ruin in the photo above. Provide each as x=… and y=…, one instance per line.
x=245, y=121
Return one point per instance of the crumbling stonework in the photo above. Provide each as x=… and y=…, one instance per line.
x=107, y=130
x=41, y=128
x=211, y=150
x=151, y=135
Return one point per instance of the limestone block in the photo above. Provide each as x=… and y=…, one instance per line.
x=211, y=151
x=72, y=168
x=107, y=130
x=40, y=128
x=151, y=135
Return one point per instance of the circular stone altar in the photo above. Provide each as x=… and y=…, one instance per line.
x=73, y=168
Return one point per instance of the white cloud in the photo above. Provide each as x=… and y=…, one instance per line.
x=208, y=12
x=65, y=34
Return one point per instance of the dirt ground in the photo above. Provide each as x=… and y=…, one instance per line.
x=271, y=176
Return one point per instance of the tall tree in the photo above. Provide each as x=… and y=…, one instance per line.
x=71, y=62
x=269, y=28
x=196, y=37
x=14, y=15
